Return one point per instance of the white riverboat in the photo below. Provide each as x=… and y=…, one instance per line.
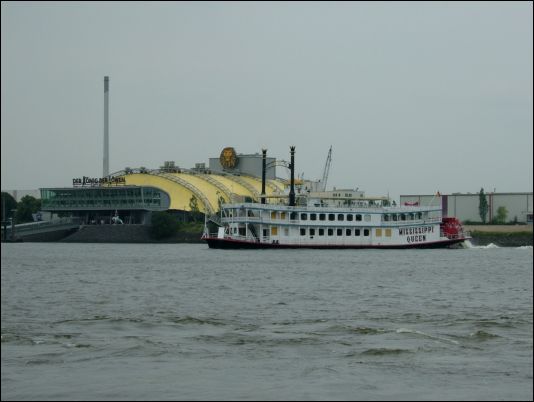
x=318, y=221
x=253, y=225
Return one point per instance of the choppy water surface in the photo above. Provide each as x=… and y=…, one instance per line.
x=155, y=322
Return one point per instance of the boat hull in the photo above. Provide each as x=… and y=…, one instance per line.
x=214, y=242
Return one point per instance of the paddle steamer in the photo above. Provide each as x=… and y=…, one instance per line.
x=317, y=222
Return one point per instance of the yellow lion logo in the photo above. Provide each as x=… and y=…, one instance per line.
x=228, y=158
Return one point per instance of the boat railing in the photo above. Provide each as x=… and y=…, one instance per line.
x=269, y=220
x=31, y=226
x=327, y=208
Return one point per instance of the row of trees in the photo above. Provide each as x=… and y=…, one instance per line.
x=21, y=211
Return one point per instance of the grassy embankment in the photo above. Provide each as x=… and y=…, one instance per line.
x=501, y=235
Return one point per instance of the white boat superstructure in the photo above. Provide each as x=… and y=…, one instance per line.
x=252, y=225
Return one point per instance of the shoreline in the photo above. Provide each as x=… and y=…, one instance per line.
x=501, y=235
x=482, y=235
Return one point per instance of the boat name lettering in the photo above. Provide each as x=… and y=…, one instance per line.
x=94, y=181
x=416, y=230
x=416, y=234
x=415, y=238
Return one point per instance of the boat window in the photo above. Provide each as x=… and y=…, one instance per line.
x=348, y=232
x=331, y=217
x=293, y=216
x=385, y=217
x=312, y=232
x=366, y=232
x=282, y=215
x=330, y=232
x=340, y=217
x=340, y=232
x=303, y=217
x=356, y=232
x=388, y=232
x=394, y=216
x=313, y=217
x=273, y=215
x=322, y=217
x=303, y=231
x=274, y=231
x=419, y=215
x=349, y=217
x=358, y=217
x=367, y=218
x=321, y=232
x=378, y=232
x=403, y=217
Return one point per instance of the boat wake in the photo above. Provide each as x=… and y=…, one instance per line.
x=468, y=244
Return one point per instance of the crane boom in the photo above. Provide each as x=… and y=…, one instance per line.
x=326, y=169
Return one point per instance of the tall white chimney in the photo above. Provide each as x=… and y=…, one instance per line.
x=105, y=172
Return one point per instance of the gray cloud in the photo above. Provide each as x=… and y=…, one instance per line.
x=413, y=97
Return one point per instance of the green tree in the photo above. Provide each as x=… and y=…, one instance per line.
x=27, y=206
x=502, y=213
x=220, y=201
x=163, y=225
x=193, y=205
x=482, y=205
x=7, y=204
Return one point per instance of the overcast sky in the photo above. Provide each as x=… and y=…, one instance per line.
x=413, y=97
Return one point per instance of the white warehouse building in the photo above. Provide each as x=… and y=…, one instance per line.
x=465, y=206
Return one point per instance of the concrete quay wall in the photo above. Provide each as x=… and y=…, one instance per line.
x=125, y=234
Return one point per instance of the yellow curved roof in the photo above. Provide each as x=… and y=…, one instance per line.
x=234, y=186
x=281, y=186
x=254, y=182
x=180, y=196
x=207, y=188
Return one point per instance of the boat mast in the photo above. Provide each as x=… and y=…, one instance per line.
x=263, y=169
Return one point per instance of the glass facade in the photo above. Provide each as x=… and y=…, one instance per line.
x=104, y=198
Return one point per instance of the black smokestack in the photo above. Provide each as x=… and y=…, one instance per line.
x=292, y=168
x=105, y=169
x=263, y=169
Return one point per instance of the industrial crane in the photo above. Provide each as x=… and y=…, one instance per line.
x=326, y=169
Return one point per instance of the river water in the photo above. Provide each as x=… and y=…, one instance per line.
x=184, y=322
